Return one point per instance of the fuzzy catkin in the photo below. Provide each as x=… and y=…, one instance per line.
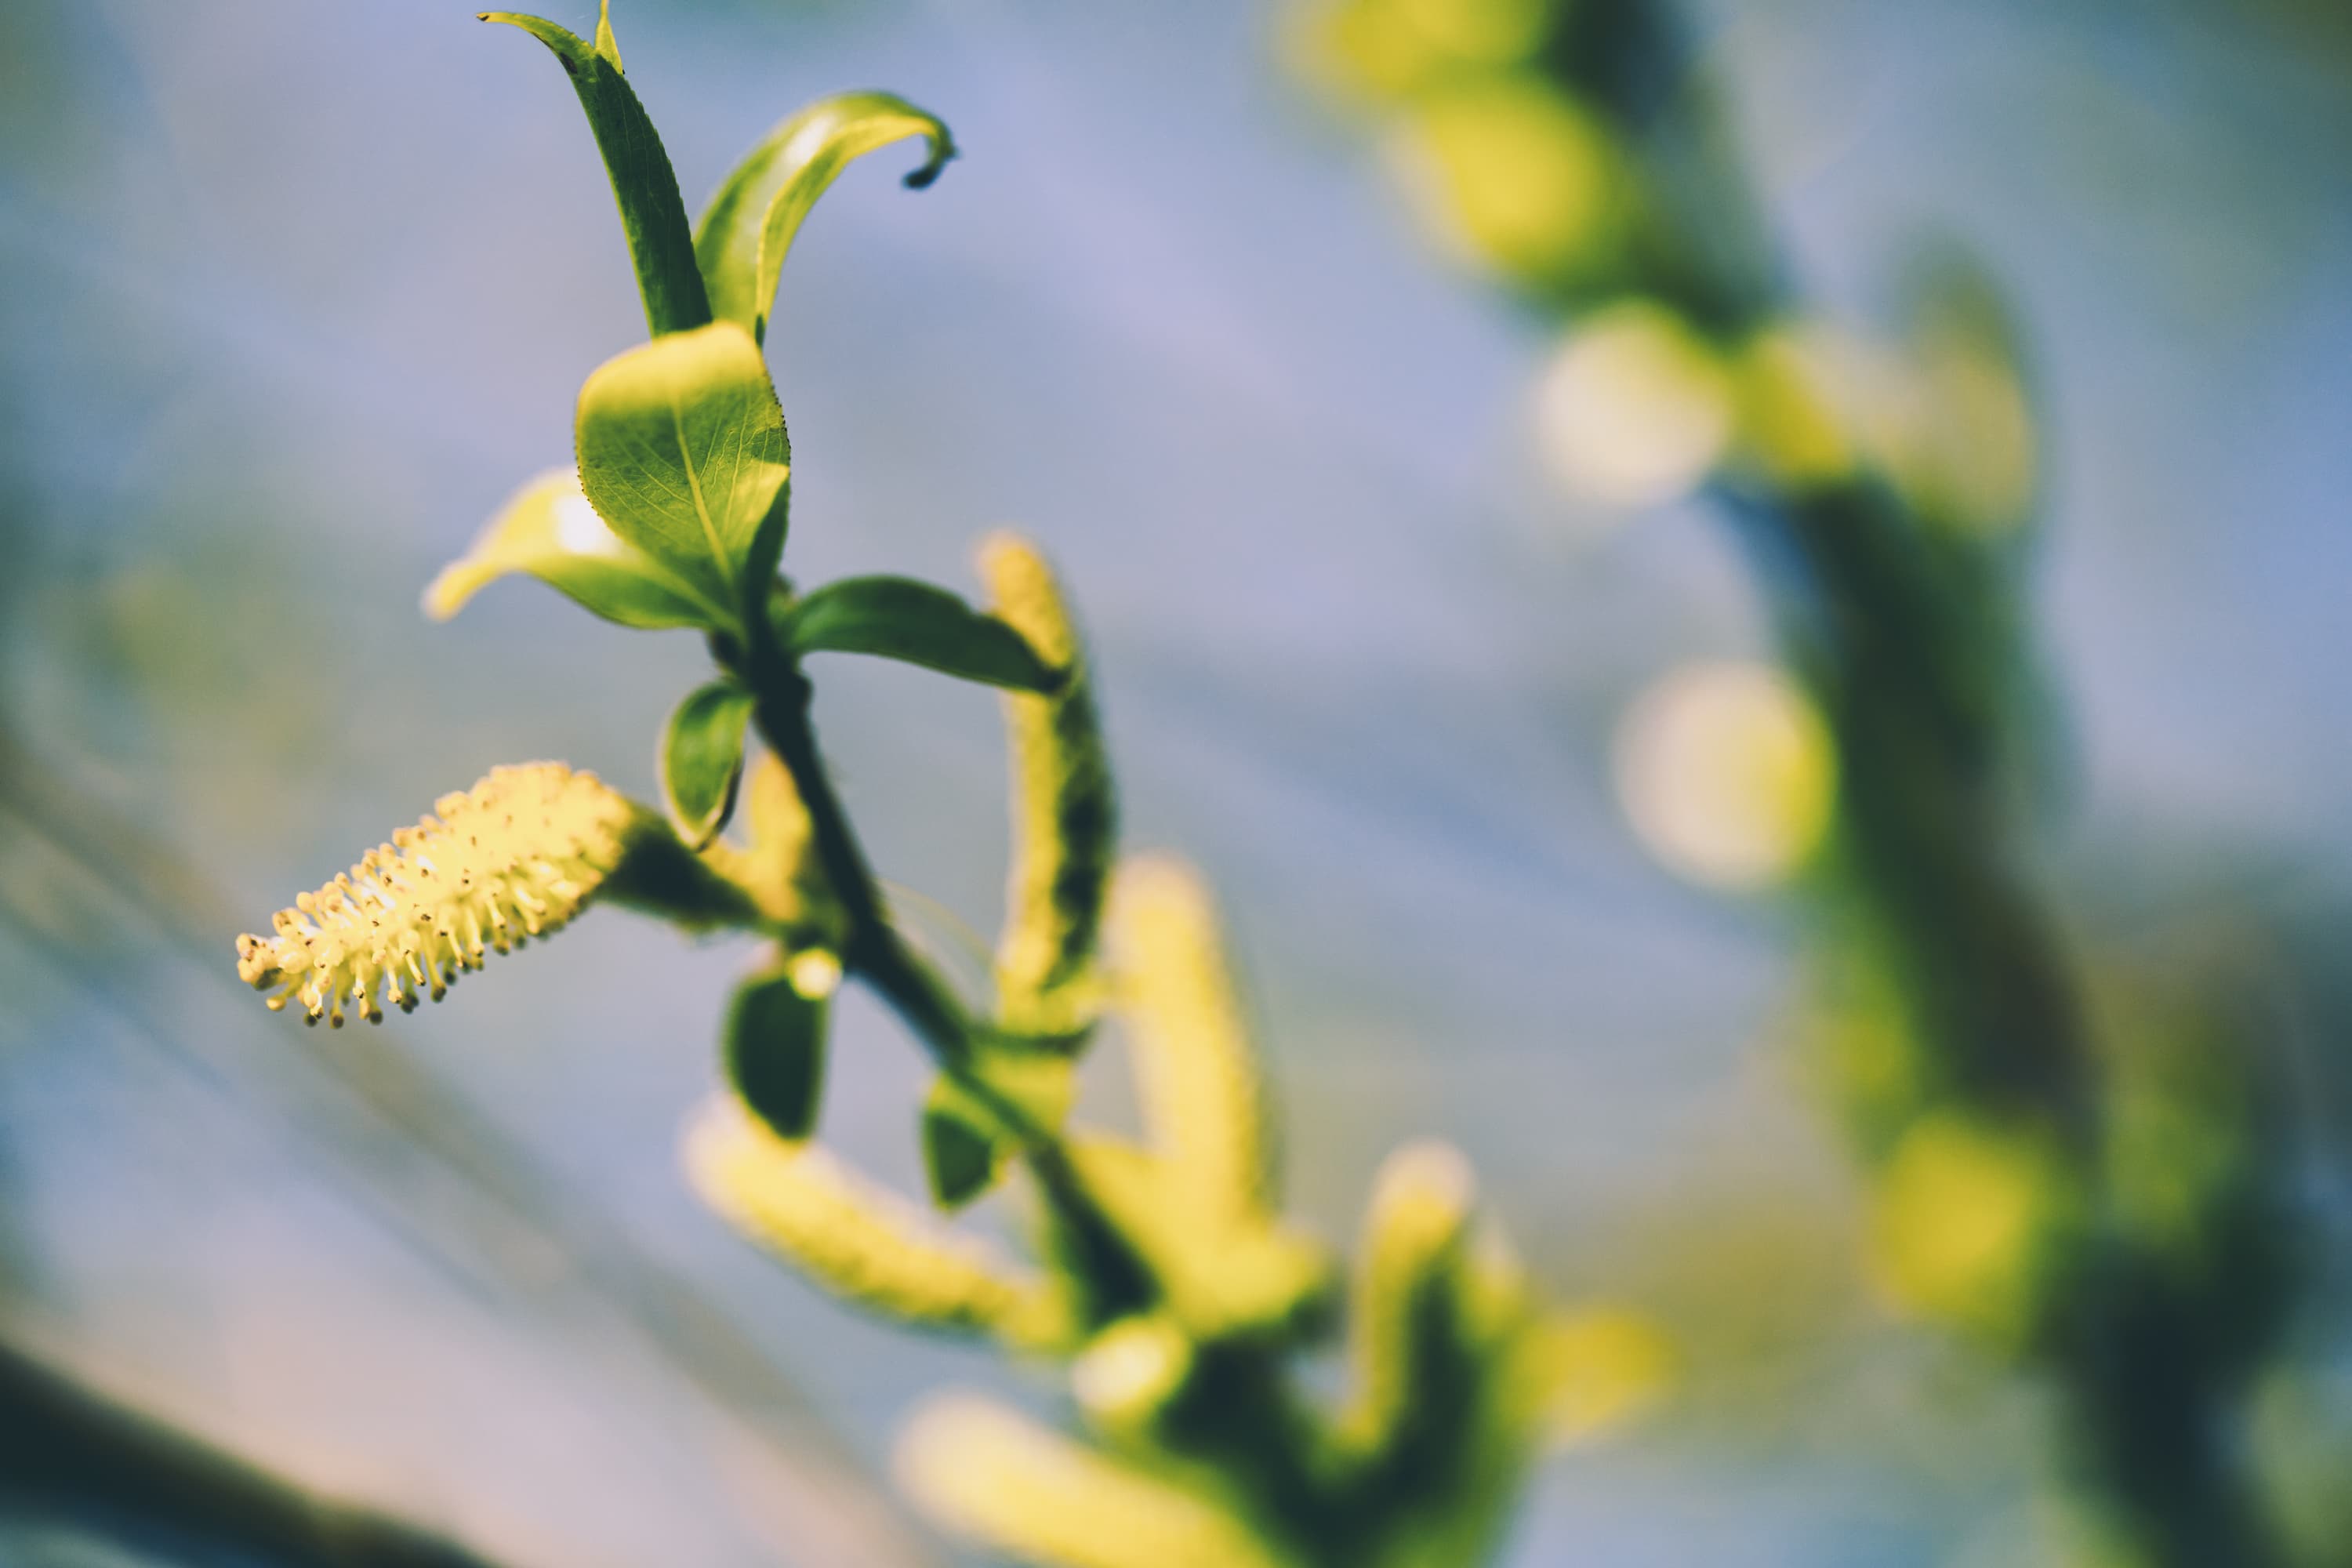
x=1064, y=816
x=855, y=1238
x=1198, y=1077
x=514, y=858
x=994, y=1476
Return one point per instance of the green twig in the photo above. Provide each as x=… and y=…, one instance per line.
x=876, y=953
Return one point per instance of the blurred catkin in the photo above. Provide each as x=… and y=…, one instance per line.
x=1065, y=814
x=1199, y=1085
x=1886, y=492
x=856, y=1239
x=998, y=1478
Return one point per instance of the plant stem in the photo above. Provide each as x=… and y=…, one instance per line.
x=1927, y=840
x=1931, y=858
x=876, y=953
x=1256, y=1439
x=1931, y=853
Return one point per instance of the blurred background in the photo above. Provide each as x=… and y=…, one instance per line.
x=295, y=295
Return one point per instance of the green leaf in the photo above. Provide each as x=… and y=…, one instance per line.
x=683, y=451
x=702, y=758
x=961, y=1154
x=963, y=1150
x=750, y=224
x=774, y=1049
x=652, y=215
x=548, y=530
x=899, y=618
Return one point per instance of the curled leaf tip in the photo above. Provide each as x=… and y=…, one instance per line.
x=516, y=857
x=748, y=227
x=943, y=153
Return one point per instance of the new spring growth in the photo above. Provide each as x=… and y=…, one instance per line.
x=1164, y=1277
x=854, y=1236
x=1200, y=1081
x=780, y=868
x=1065, y=814
x=995, y=1477
x=514, y=858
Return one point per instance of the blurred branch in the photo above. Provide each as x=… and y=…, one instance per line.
x=1577, y=152
x=363, y=1114
x=67, y=1450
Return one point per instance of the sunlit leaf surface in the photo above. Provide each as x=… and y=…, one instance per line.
x=683, y=451
x=549, y=530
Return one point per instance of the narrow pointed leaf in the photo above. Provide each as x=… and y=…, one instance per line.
x=682, y=452
x=702, y=758
x=899, y=618
x=774, y=1047
x=549, y=530
x=750, y=224
x=961, y=1154
x=652, y=215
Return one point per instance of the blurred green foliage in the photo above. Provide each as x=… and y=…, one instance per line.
x=2104, y=1198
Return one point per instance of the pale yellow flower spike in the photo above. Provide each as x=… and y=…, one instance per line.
x=1414, y=1235
x=854, y=1237
x=1064, y=816
x=1197, y=1077
x=994, y=1476
x=513, y=857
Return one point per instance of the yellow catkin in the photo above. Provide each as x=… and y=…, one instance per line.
x=514, y=858
x=1219, y=1278
x=855, y=1238
x=1414, y=1231
x=780, y=869
x=1064, y=816
x=996, y=1477
x=1198, y=1080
